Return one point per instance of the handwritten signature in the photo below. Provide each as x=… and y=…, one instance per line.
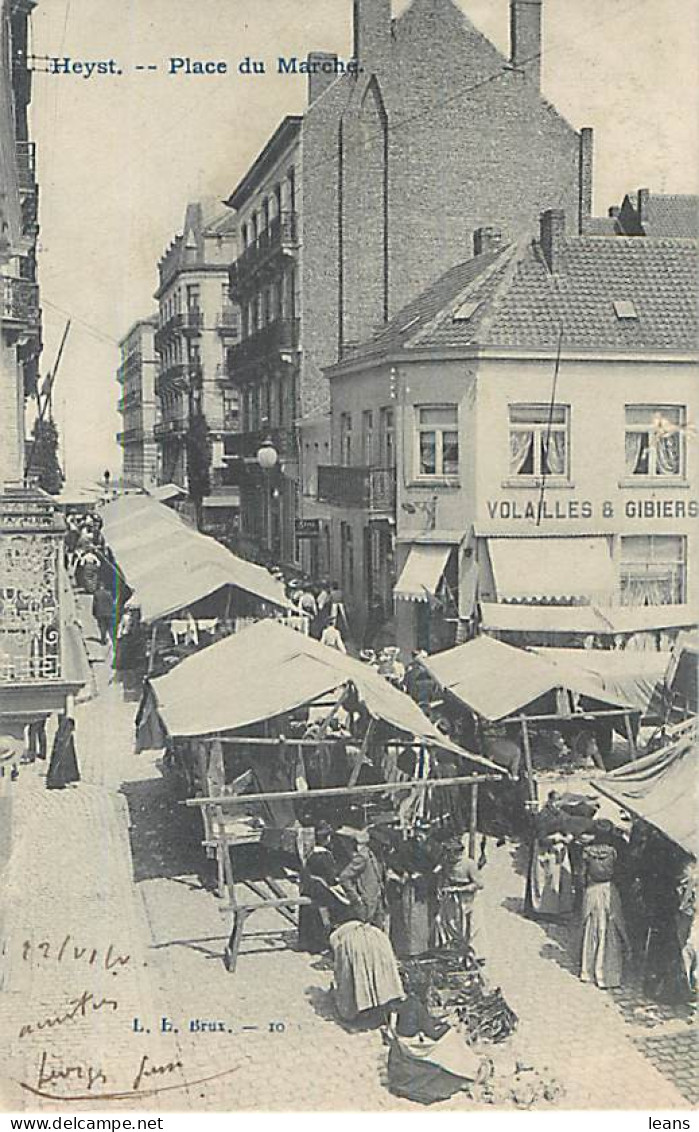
x=77, y=1008
x=93, y=1075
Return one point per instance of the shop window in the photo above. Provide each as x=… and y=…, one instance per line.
x=437, y=440
x=346, y=439
x=653, y=569
x=367, y=437
x=654, y=440
x=539, y=441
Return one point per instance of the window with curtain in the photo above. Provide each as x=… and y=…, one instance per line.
x=346, y=439
x=367, y=437
x=437, y=440
x=653, y=569
x=387, y=438
x=539, y=441
x=654, y=440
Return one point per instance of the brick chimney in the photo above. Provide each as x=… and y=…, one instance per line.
x=585, y=177
x=372, y=31
x=552, y=230
x=320, y=80
x=525, y=37
x=486, y=240
x=643, y=199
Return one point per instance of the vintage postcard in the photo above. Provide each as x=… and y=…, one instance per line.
x=349, y=556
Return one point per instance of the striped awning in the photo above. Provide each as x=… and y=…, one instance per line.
x=420, y=577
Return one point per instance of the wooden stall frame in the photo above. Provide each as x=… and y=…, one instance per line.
x=240, y=911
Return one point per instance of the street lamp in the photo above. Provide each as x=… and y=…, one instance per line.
x=267, y=455
x=268, y=458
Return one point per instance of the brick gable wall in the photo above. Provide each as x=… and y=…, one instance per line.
x=497, y=156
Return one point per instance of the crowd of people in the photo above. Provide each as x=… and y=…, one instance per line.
x=630, y=889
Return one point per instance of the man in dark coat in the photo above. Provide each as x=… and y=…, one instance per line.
x=103, y=611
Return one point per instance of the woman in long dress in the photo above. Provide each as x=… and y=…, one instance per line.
x=459, y=919
x=63, y=766
x=367, y=980
x=605, y=939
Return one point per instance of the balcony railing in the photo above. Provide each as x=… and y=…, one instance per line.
x=228, y=322
x=26, y=165
x=274, y=338
x=130, y=436
x=20, y=300
x=190, y=321
x=245, y=445
x=373, y=489
x=281, y=237
x=174, y=427
x=174, y=376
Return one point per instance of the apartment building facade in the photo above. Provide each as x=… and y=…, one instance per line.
x=197, y=327
x=20, y=314
x=136, y=377
x=265, y=283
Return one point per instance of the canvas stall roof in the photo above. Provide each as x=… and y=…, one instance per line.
x=533, y=568
x=267, y=670
x=661, y=788
x=629, y=676
x=164, y=560
x=166, y=491
x=625, y=619
x=682, y=676
x=496, y=680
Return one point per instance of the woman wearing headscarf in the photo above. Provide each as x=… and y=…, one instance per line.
x=367, y=981
x=364, y=875
x=63, y=766
x=605, y=939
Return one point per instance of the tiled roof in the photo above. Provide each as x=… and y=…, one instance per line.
x=592, y=273
x=510, y=298
x=671, y=215
x=405, y=327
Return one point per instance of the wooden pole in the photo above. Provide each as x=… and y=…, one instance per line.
x=531, y=782
x=341, y=791
x=473, y=821
x=629, y=736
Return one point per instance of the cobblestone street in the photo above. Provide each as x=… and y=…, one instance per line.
x=113, y=868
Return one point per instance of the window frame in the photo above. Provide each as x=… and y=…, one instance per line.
x=346, y=440
x=661, y=569
x=652, y=474
x=439, y=475
x=540, y=430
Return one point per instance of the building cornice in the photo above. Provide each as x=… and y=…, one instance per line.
x=285, y=134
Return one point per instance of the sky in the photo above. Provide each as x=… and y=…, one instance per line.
x=119, y=156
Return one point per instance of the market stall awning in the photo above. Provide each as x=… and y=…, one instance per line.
x=552, y=568
x=492, y=679
x=169, y=566
x=612, y=620
x=682, y=676
x=266, y=671
x=165, y=491
x=496, y=680
x=629, y=676
x=422, y=572
x=661, y=789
